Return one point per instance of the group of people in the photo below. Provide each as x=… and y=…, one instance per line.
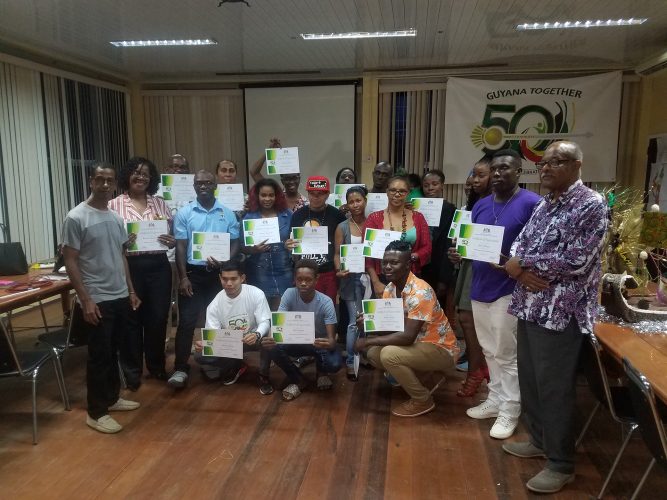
x=522, y=319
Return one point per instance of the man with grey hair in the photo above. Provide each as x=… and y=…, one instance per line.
x=556, y=263
x=178, y=164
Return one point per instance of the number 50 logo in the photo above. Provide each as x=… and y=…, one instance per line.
x=528, y=130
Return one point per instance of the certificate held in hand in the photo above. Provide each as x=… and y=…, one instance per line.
x=376, y=240
x=147, y=232
x=460, y=217
x=293, y=327
x=205, y=245
x=222, y=343
x=231, y=196
x=312, y=240
x=480, y=242
x=255, y=231
x=282, y=161
x=430, y=208
x=352, y=258
x=383, y=315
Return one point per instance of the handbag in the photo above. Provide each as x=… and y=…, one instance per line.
x=12, y=257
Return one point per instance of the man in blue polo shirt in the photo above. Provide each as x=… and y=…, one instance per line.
x=198, y=279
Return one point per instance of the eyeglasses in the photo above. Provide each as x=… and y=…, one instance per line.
x=204, y=183
x=553, y=163
x=394, y=192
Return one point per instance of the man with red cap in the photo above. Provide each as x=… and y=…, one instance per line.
x=318, y=213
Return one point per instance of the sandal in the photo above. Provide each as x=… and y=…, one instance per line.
x=324, y=383
x=472, y=382
x=351, y=375
x=265, y=387
x=291, y=392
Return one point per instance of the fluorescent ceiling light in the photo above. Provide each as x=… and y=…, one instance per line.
x=580, y=24
x=162, y=43
x=358, y=34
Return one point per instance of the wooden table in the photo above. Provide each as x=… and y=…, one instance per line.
x=647, y=353
x=10, y=301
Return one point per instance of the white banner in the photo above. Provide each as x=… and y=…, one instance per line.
x=484, y=116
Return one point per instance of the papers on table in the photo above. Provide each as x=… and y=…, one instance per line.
x=255, y=231
x=460, y=217
x=376, y=240
x=216, y=245
x=231, y=196
x=430, y=208
x=352, y=258
x=282, y=160
x=383, y=315
x=293, y=327
x=147, y=232
x=312, y=240
x=480, y=242
x=376, y=202
x=338, y=197
x=222, y=343
x=178, y=189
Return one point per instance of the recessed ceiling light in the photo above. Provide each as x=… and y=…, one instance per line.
x=163, y=43
x=358, y=34
x=598, y=23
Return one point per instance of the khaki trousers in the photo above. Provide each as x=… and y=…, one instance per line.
x=401, y=362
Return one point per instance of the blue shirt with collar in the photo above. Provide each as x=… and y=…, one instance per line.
x=195, y=218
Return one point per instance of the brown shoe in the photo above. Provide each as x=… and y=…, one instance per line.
x=413, y=408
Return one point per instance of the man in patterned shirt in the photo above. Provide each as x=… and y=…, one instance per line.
x=556, y=262
x=427, y=342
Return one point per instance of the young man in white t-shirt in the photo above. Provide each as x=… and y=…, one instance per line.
x=237, y=307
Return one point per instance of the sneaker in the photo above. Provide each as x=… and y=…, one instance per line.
x=486, y=409
x=503, y=427
x=178, y=379
x=104, y=424
x=523, y=449
x=302, y=361
x=232, y=378
x=211, y=373
x=391, y=380
x=549, y=481
x=124, y=405
x=265, y=387
x=413, y=408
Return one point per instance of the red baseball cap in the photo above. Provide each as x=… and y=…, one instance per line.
x=318, y=183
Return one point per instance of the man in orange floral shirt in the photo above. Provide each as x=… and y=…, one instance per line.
x=427, y=342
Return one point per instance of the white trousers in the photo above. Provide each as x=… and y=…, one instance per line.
x=496, y=332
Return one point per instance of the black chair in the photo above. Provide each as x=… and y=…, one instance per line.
x=616, y=398
x=27, y=364
x=650, y=421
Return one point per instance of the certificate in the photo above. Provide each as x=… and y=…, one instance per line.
x=216, y=245
x=376, y=240
x=480, y=242
x=178, y=188
x=460, y=217
x=312, y=240
x=147, y=232
x=293, y=327
x=231, y=196
x=338, y=197
x=352, y=258
x=222, y=343
x=383, y=315
x=255, y=231
x=430, y=208
x=376, y=202
x=282, y=161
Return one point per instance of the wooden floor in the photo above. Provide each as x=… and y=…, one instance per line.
x=212, y=441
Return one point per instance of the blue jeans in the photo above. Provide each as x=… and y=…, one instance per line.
x=353, y=308
x=326, y=361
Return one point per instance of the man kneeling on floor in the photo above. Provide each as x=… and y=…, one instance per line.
x=327, y=358
x=427, y=344
x=237, y=307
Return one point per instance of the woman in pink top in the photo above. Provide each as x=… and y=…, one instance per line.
x=150, y=270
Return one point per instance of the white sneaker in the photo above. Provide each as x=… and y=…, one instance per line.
x=178, y=379
x=485, y=409
x=503, y=427
x=124, y=405
x=104, y=424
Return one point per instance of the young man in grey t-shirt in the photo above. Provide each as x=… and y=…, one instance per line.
x=93, y=247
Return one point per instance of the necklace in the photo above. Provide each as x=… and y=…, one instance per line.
x=357, y=226
x=496, y=217
x=404, y=224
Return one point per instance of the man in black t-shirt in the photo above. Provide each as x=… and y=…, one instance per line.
x=318, y=213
